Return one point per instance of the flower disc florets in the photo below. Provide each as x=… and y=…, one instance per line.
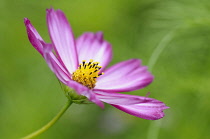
x=87, y=73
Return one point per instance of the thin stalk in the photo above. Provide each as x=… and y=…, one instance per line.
x=154, y=127
x=160, y=47
x=51, y=123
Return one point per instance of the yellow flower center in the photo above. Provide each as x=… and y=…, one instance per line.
x=87, y=73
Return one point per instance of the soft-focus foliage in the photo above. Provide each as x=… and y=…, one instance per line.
x=30, y=94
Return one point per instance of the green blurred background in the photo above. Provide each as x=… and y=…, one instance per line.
x=30, y=94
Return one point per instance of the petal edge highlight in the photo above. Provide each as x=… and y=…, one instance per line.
x=62, y=37
x=125, y=76
x=93, y=46
x=33, y=36
x=143, y=107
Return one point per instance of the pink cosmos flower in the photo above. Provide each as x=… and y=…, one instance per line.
x=76, y=62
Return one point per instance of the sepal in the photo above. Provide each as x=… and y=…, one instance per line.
x=74, y=97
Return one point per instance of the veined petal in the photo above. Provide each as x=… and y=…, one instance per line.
x=92, y=97
x=62, y=37
x=83, y=90
x=149, y=111
x=123, y=99
x=143, y=107
x=55, y=66
x=125, y=76
x=33, y=36
x=46, y=51
x=93, y=46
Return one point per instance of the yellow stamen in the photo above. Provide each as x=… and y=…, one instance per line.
x=87, y=73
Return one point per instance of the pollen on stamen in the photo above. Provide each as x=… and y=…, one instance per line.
x=87, y=73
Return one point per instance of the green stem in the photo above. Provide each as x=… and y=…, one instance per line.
x=154, y=129
x=51, y=123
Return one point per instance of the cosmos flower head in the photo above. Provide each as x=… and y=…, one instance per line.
x=81, y=64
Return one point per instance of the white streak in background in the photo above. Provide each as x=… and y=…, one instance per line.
x=160, y=47
x=154, y=128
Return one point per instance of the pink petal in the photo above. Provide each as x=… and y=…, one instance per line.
x=33, y=36
x=83, y=90
x=93, y=46
x=122, y=99
x=149, y=111
x=46, y=51
x=62, y=38
x=125, y=76
x=143, y=107
x=92, y=97
x=55, y=66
